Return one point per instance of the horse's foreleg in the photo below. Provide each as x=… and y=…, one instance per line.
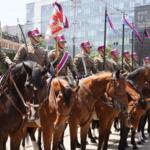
x=31, y=132
x=105, y=146
x=47, y=136
x=58, y=132
x=15, y=140
x=133, y=132
x=73, y=134
x=123, y=138
x=3, y=140
x=83, y=135
x=39, y=138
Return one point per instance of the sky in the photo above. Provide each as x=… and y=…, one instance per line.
x=10, y=10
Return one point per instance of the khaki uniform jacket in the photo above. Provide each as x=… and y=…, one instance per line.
x=135, y=65
x=37, y=54
x=68, y=65
x=115, y=65
x=127, y=66
x=90, y=66
x=4, y=58
x=99, y=64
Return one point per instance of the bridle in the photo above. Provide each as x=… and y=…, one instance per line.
x=27, y=105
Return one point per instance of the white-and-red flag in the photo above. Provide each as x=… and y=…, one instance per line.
x=58, y=21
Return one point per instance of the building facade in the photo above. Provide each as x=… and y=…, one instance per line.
x=86, y=20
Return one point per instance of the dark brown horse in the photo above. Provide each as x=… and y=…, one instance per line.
x=56, y=111
x=93, y=89
x=15, y=98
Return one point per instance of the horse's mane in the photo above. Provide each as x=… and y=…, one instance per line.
x=100, y=76
x=135, y=73
x=68, y=89
x=19, y=66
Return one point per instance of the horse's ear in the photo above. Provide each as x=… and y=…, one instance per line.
x=27, y=69
x=76, y=89
x=61, y=86
x=117, y=74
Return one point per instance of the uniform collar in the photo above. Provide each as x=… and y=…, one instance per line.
x=85, y=54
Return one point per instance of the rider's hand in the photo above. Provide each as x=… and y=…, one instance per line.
x=11, y=65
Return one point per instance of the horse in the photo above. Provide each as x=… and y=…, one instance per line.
x=56, y=111
x=20, y=86
x=93, y=89
x=138, y=78
x=105, y=120
x=138, y=117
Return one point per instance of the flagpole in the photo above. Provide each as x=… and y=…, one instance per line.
x=142, y=48
x=123, y=34
x=74, y=28
x=105, y=32
x=132, y=50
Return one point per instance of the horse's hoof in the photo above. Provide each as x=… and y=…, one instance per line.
x=78, y=145
x=140, y=143
x=93, y=140
x=127, y=146
x=135, y=148
x=144, y=137
x=143, y=140
x=95, y=137
x=61, y=147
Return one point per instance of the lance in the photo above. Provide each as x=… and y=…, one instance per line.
x=132, y=50
x=123, y=34
x=105, y=32
x=24, y=39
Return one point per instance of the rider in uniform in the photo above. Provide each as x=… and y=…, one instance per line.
x=86, y=67
x=62, y=65
x=114, y=60
x=127, y=61
x=84, y=63
x=146, y=60
x=4, y=59
x=34, y=51
x=56, y=56
x=100, y=60
x=135, y=61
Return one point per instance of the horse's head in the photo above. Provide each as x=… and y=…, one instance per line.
x=123, y=91
x=147, y=74
x=30, y=80
x=115, y=90
x=140, y=76
x=62, y=96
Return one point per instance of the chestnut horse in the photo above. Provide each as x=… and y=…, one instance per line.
x=93, y=89
x=14, y=100
x=105, y=120
x=56, y=111
x=137, y=113
x=138, y=78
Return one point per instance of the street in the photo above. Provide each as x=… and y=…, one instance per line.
x=113, y=143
